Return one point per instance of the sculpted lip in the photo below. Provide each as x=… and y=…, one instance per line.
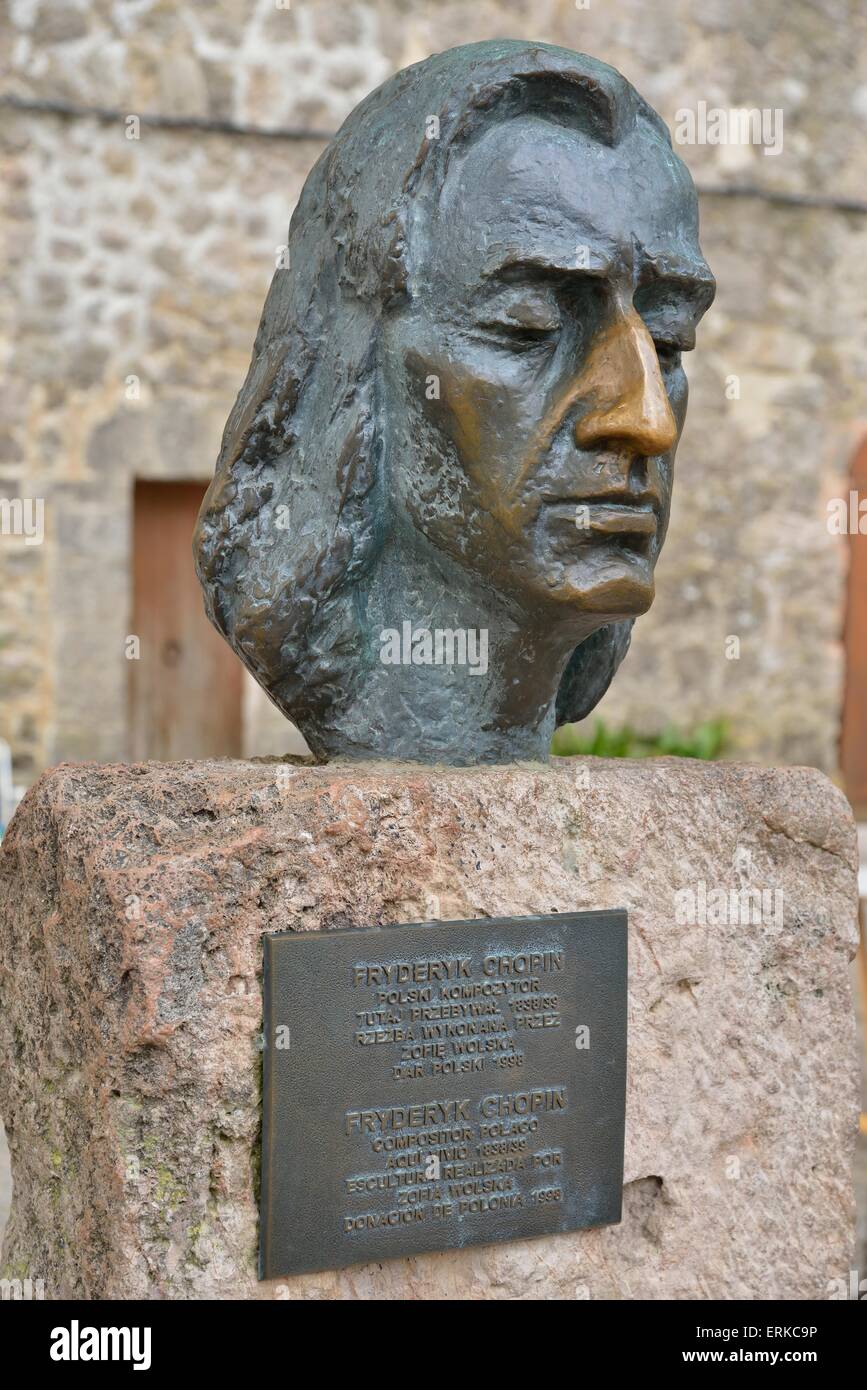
x=613, y=518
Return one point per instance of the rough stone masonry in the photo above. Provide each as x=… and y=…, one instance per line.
x=132, y=902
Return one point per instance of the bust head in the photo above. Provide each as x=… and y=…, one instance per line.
x=462, y=411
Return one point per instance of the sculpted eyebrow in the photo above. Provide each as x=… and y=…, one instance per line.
x=513, y=266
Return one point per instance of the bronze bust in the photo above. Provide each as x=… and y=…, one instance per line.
x=445, y=483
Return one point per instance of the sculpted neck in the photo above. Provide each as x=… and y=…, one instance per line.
x=449, y=671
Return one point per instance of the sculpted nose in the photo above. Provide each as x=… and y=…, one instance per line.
x=622, y=383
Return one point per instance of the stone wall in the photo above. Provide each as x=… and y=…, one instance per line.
x=149, y=258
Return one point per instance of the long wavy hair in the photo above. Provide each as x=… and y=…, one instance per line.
x=297, y=512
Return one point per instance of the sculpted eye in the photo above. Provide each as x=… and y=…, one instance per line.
x=524, y=323
x=523, y=335
x=529, y=332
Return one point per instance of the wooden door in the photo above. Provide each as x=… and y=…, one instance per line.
x=186, y=684
x=853, y=749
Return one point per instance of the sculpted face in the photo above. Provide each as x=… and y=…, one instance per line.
x=460, y=419
x=538, y=365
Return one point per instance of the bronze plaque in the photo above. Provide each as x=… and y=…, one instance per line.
x=434, y=1085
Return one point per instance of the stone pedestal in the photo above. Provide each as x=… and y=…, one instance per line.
x=132, y=901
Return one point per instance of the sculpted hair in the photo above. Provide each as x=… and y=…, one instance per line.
x=297, y=512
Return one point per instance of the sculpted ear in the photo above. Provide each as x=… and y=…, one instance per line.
x=590, y=670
